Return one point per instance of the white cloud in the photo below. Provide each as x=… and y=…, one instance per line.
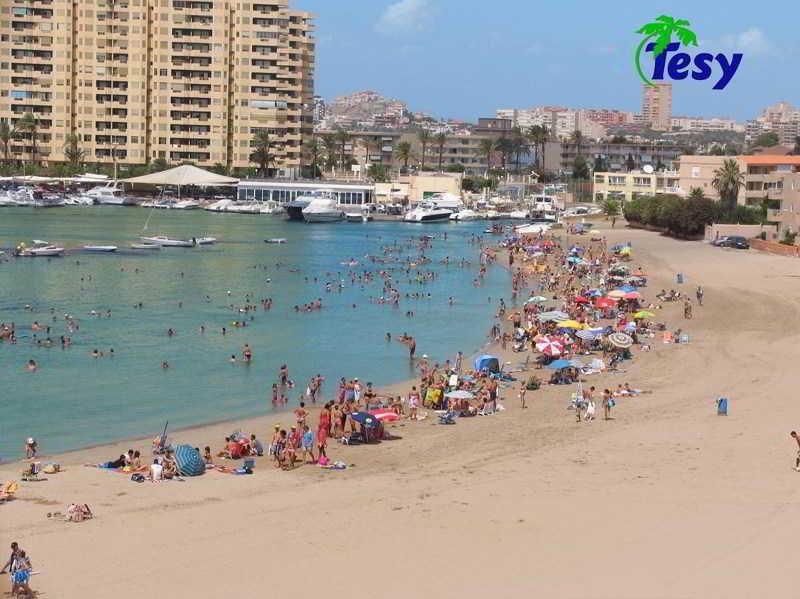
x=749, y=41
x=405, y=16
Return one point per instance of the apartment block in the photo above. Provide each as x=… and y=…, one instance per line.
x=139, y=80
x=625, y=187
x=615, y=156
x=657, y=105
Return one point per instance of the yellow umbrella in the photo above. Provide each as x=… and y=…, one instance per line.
x=643, y=314
x=625, y=250
x=570, y=324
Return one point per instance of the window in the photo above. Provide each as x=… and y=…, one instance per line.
x=695, y=172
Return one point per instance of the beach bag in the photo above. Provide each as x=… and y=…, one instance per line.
x=137, y=478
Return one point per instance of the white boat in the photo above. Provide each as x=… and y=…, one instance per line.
x=270, y=207
x=145, y=246
x=206, y=240
x=275, y=240
x=427, y=212
x=245, y=208
x=42, y=248
x=362, y=216
x=323, y=210
x=7, y=200
x=295, y=207
x=186, y=205
x=78, y=200
x=109, y=195
x=464, y=215
x=219, y=206
x=100, y=248
x=168, y=242
x=518, y=215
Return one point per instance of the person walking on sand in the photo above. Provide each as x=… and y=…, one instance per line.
x=794, y=436
x=699, y=294
x=608, y=403
x=522, y=390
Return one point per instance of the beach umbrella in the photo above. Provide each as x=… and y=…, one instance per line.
x=605, y=302
x=627, y=288
x=595, y=292
x=189, y=461
x=554, y=316
x=559, y=364
x=574, y=260
x=459, y=394
x=618, y=247
x=590, y=334
x=581, y=300
x=620, y=340
x=490, y=363
x=616, y=294
x=550, y=346
x=385, y=415
x=365, y=419
x=626, y=251
x=575, y=363
x=571, y=324
x=632, y=295
x=643, y=314
x=536, y=299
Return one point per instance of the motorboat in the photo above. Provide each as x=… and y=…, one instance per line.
x=427, y=212
x=220, y=205
x=78, y=200
x=464, y=215
x=186, y=205
x=270, y=207
x=275, y=240
x=323, y=210
x=40, y=249
x=145, y=246
x=245, y=208
x=8, y=200
x=169, y=242
x=110, y=195
x=206, y=240
x=295, y=207
x=358, y=217
x=518, y=215
x=100, y=248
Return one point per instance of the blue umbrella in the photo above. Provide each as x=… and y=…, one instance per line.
x=574, y=259
x=189, y=461
x=365, y=419
x=559, y=364
x=595, y=293
x=627, y=288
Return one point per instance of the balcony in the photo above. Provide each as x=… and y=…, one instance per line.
x=194, y=156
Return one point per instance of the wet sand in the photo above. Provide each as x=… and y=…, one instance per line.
x=666, y=500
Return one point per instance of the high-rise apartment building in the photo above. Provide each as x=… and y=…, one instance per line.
x=139, y=80
x=657, y=105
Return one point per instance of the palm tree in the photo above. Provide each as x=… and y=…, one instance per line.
x=73, y=153
x=486, y=149
x=313, y=151
x=441, y=139
x=29, y=124
x=662, y=29
x=503, y=146
x=696, y=193
x=7, y=133
x=727, y=181
x=342, y=138
x=519, y=147
x=262, y=151
x=577, y=139
x=404, y=153
x=329, y=144
x=366, y=143
x=424, y=137
x=538, y=134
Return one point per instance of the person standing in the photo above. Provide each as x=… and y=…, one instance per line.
x=522, y=391
x=608, y=403
x=699, y=294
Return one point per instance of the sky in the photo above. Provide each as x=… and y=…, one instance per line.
x=467, y=58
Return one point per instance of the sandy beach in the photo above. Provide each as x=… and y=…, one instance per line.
x=666, y=500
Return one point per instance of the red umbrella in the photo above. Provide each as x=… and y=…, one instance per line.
x=581, y=300
x=550, y=346
x=385, y=415
x=605, y=302
x=633, y=295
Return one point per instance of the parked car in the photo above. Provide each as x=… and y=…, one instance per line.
x=737, y=242
x=719, y=241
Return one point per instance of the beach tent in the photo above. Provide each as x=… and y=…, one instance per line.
x=181, y=176
x=189, y=461
x=490, y=363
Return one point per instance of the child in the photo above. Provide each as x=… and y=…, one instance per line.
x=522, y=390
x=308, y=445
x=207, y=458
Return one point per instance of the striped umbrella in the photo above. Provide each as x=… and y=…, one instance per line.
x=620, y=340
x=189, y=461
x=550, y=346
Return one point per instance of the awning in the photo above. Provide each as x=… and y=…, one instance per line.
x=182, y=175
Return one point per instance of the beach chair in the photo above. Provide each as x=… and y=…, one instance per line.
x=31, y=473
x=8, y=490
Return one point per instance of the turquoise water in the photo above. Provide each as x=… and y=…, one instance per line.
x=75, y=400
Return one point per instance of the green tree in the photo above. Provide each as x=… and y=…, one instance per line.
x=577, y=139
x=424, y=137
x=767, y=139
x=728, y=180
x=795, y=150
x=696, y=193
x=662, y=30
x=29, y=124
x=455, y=168
x=313, y=151
x=378, y=173
x=441, y=140
x=519, y=147
x=74, y=154
x=7, y=134
x=580, y=168
x=404, y=153
x=262, y=151
x=619, y=139
x=538, y=136
x=159, y=164
x=599, y=164
x=486, y=149
x=331, y=150
x=611, y=207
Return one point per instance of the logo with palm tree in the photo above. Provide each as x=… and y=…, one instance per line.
x=662, y=30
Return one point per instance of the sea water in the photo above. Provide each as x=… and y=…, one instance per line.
x=75, y=400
